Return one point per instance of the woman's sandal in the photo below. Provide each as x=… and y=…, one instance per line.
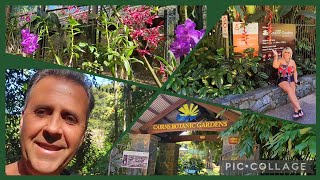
x=295, y=115
x=300, y=113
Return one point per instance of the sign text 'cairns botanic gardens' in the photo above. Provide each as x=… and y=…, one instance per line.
x=203, y=126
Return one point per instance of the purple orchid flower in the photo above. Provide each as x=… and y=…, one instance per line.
x=179, y=48
x=29, y=41
x=186, y=38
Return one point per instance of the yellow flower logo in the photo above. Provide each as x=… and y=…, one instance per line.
x=188, y=112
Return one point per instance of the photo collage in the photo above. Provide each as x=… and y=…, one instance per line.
x=148, y=90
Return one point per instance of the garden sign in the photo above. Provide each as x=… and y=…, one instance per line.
x=245, y=36
x=280, y=36
x=135, y=159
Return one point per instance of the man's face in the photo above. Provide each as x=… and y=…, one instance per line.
x=53, y=125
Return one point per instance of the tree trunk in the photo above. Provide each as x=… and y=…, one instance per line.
x=93, y=30
x=209, y=159
x=40, y=54
x=127, y=107
x=199, y=17
x=183, y=14
x=8, y=13
x=115, y=90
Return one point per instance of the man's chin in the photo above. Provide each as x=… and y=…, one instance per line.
x=45, y=168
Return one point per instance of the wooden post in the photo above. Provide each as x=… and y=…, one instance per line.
x=165, y=27
x=42, y=43
x=8, y=13
x=227, y=47
x=93, y=30
x=225, y=33
x=199, y=16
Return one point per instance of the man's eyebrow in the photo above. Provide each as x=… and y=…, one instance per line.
x=63, y=111
x=69, y=112
x=45, y=106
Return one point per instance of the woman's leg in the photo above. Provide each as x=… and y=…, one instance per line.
x=291, y=91
x=293, y=86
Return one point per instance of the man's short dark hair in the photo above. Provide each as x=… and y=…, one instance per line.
x=69, y=75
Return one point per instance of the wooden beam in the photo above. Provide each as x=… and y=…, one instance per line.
x=232, y=116
x=140, y=121
x=137, y=131
x=212, y=137
x=169, y=120
x=157, y=131
x=162, y=114
x=153, y=111
x=166, y=98
x=189, y=126
x=134, y=132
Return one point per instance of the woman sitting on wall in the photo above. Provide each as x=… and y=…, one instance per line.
x=288, y=78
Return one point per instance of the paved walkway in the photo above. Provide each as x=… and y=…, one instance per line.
x=308, y=104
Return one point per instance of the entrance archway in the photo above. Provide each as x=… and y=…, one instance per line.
x=159, y=128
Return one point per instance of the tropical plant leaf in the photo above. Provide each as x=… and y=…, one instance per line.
x=283, y=10
x=307, y=14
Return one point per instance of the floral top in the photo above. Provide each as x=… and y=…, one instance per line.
x=285, y=71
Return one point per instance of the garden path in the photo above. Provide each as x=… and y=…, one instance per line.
x=308, y=104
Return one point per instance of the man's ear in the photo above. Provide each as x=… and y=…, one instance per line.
x=21, y=120
x=82, y=139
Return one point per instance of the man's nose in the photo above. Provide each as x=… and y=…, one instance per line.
x=53, y=128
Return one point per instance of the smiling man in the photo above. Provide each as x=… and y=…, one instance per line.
x=53, y=124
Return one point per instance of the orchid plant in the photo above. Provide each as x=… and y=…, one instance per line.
x=127, y=34
x=29, y=41
x=186, y=38
x=140, y=20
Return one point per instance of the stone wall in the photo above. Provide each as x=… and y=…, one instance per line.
x=145, y=143
x=167, y=162
x=267, y=98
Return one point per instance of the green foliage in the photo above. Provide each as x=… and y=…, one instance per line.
x=104, y=45
x=140, y=98
x=211, y=148
x=72, y=29
x=279, y=140
x=306, y=66
x=45, y=25
x=13, y=41
x=170, y=65
x=13, y=151
x=115, y=51
x=16, y=84
x=87, y=158
x=102, y=119
x=189, y=161
x=43, y=21
x=256, y=13
x=102, y=116
x=211, y=75
x=94, y=66
x=308, y=14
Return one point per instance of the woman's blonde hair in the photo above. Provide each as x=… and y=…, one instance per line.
x=287, y=49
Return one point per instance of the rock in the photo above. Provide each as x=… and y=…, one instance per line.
x=244, y=105
x=266, y=99
x=300, y=94
x=265, y=108
x=251, y=103
x=275, y=97
x=273, y=105
x=257, y=105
